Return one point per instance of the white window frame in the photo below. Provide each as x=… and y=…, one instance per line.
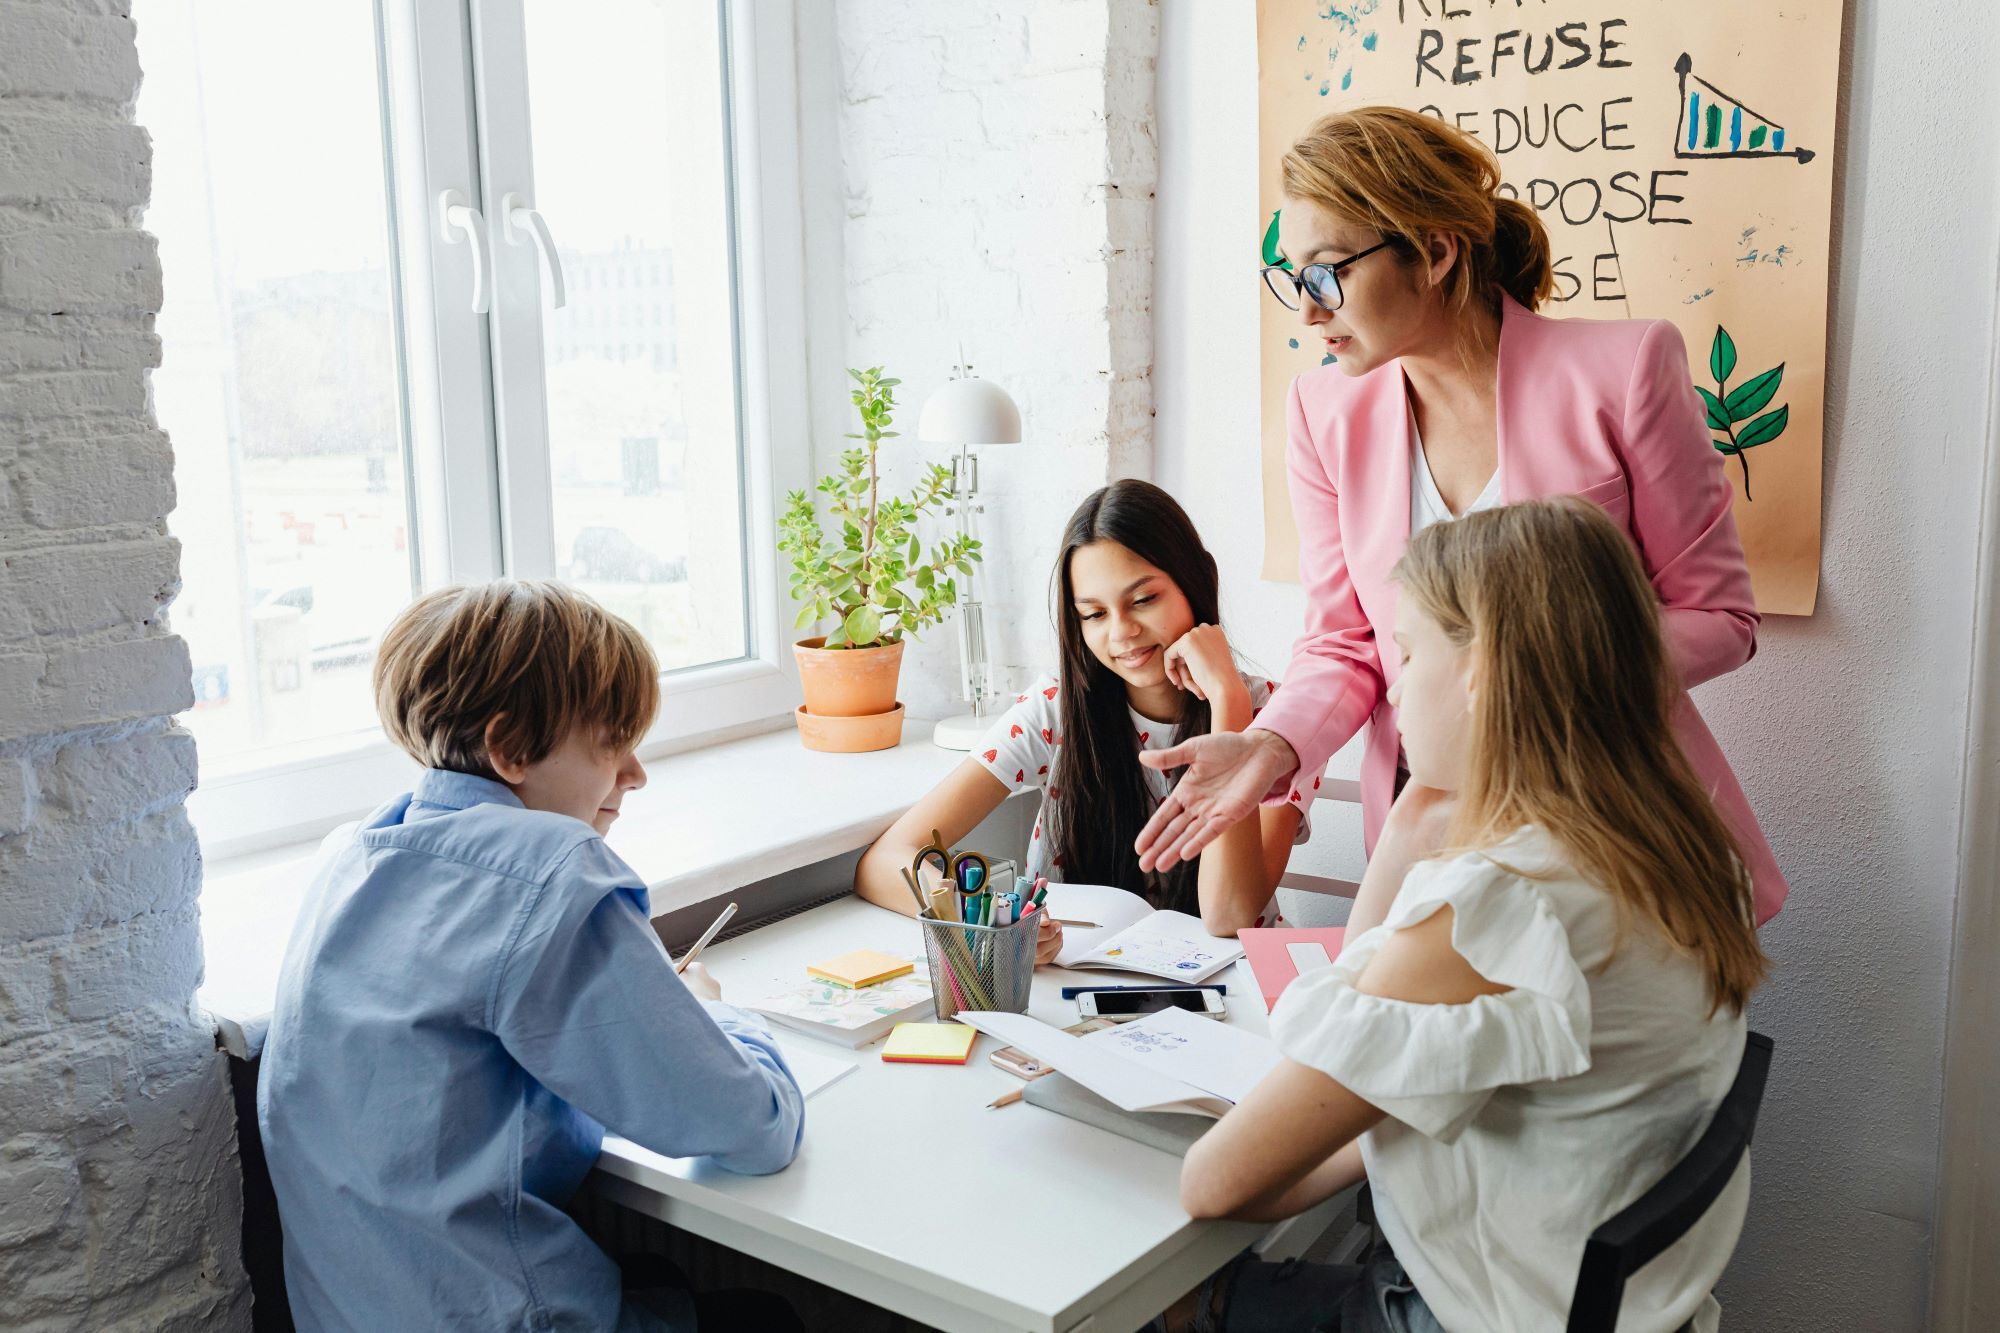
x=478, y=460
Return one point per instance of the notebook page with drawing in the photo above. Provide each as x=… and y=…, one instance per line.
x=1169, y=1061
x=1125, y=934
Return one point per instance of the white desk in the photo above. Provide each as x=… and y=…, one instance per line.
x=907, y=1185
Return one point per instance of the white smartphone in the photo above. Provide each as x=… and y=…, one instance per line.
x=1138, y=1002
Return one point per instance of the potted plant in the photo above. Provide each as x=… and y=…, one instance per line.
x=871, y=577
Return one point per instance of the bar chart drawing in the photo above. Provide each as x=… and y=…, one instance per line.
x=1715, y=124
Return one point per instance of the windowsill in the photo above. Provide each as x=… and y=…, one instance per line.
x=708, y=821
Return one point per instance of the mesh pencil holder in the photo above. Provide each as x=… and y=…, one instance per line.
x=979, y=967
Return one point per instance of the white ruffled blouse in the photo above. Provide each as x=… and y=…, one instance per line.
x=1521, y=1121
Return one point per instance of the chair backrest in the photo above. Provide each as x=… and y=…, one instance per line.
x=1664, y=1213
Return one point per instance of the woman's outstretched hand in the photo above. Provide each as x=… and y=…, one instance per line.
x=1228, y=774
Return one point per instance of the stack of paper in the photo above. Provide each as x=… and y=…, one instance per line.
x=844, y=1015
x=1170, y=1061
x=929, y=1044
x=863, y=967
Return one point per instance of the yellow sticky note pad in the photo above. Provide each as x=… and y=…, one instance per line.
x=930, y=1043
x=863, y=967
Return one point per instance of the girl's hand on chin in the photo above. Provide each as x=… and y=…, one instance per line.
x=1201, y=663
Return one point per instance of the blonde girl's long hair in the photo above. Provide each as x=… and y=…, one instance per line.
x=1572, y=722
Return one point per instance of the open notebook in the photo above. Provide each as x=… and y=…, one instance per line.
x=1169, y=1061
x=1130, y=936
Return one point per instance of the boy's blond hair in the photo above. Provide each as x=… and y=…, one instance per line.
x=543, y=658
x=1573, y=721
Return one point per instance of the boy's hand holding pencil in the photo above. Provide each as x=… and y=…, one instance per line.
x=700, y=982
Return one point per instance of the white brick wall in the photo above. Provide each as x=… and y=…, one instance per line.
x=998, y=167
x=119, y=1187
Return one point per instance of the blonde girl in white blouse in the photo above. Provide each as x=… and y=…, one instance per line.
x=1145, y=665
x=1548, y=1018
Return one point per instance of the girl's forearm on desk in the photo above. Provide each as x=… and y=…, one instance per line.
x=1329, y=1178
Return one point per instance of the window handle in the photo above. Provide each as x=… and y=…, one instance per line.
x=456, y=215
x=523, y=225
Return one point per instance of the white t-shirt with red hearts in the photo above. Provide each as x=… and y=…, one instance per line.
x=1020, y=750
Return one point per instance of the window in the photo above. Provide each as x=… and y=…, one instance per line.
x=369, y=397
x=280, y=383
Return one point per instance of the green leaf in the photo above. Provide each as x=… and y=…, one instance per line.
x=806, y=618
x=1717, y=418
x=1764, y=429
x=1722, y=354
x=863, y=624
x=1271, y=255
x=1724, y=447
x=1748, y=399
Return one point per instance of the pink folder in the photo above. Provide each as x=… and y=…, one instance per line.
x=1277, y=955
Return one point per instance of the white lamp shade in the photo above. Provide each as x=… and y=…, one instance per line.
x=969, y=411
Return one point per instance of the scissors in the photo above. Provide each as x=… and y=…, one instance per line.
x=954, y=870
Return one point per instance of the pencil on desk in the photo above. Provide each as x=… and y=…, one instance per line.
x=1008, y=1098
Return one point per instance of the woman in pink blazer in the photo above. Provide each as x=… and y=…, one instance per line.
x=1449, y=393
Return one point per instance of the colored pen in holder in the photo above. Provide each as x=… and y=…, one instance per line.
x=979, y=967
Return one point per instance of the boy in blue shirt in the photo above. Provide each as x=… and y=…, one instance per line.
x=474, y=992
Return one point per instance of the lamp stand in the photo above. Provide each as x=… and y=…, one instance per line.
x=975, y=683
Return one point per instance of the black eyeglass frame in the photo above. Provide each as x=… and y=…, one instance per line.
x=1302, y=281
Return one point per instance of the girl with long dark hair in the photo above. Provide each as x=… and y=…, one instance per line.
x=1144, y=666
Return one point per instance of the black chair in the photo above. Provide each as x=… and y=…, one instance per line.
x=1664, y=1213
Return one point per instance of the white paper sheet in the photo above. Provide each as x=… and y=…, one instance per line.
x=1134, y=1086
x=1308, y=957
x=1190, y=1049
x=814, y=1070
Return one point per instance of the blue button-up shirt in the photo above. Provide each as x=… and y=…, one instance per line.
x=473, y=993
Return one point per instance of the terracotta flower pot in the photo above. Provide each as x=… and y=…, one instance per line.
x=848, y=682
x=851, y=735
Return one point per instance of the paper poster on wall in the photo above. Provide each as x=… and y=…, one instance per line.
x=1681, y=156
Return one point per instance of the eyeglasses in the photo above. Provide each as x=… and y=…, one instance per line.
x=1319, y=281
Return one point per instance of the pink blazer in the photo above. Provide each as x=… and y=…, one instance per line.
x=1598, y=408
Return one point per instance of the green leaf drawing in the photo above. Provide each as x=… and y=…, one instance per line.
x=1764, y=429
x=1271, y=255
x=1718, y=419
x=1725, y=407
x=1748, y=399
x=1722, y=355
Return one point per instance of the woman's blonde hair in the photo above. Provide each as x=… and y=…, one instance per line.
x=543, y=658
x=1407, y=175
x=1572, y=722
